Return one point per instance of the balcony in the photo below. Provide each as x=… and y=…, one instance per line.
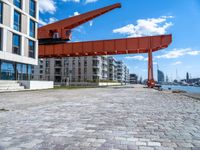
x=96, y=58
x=58, y=73
x=58, y=65
x=97, y=73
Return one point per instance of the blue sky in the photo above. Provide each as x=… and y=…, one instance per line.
x=139, y=18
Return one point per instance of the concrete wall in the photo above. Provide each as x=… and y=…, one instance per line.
x=94, y=84
x=37, y=85
x=109, y=84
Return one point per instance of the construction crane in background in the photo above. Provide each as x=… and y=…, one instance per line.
x=53, y=41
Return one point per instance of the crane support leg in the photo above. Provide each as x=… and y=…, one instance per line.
x=151, y=82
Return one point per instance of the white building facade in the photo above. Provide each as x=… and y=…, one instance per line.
x=77, y=69
x=72, y=69
x=112, y=69
x=122, y=72
x=18, y=38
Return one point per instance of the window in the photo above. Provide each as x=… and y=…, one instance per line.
x=31, y=49
x=17, y=21
x=32, y=28
x=32, y=8
x=1, y=12
x=47, y=63
x=7, y=70
x=18, y=3
x=47, y=71
x=16, y=44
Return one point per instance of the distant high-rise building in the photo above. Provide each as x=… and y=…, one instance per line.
x=167, y=78
x=133, y=79
x=161, y=77
x=187, y=77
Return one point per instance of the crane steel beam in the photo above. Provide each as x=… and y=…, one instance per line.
x=62, y=29
x=147, y=44
x=106, y=47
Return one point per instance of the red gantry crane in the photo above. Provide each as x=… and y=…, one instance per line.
x=53, y=41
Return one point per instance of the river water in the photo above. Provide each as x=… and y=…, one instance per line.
x=189, y=89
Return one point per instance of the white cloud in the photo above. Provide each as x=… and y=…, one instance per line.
x=194, y=52
x=136, y=67
x=146, y=27
x=91, y=23
x=138, y=57
x=76, y=1
x=175, y=53
x=155, y=63
x=51, y=20
x=42, y=22
x=90, y=1
x=76, y=13
x=176, y=63
x=47, y=6
x=144, y=70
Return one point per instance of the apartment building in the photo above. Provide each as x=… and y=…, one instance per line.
x=122, y=72
x=18, y=38
x=126, y=74
x=112, y=69
x=72, y=69
x=133, y=78
x=77, y=69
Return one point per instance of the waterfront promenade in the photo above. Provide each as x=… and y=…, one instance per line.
x=114, y=118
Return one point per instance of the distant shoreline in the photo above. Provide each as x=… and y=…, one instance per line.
x=188, y=89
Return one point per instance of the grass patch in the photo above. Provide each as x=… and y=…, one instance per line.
x=178, y=91
x=72, y=87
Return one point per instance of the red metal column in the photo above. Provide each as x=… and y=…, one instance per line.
x=151, y=82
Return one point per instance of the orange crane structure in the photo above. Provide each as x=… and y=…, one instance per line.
x=53, y=41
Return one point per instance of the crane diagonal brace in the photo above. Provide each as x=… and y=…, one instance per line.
x=46, y=34
x=106, y=47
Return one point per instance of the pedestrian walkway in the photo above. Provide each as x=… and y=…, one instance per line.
x=99, y=119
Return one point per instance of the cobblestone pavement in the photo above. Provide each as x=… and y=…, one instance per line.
x=99, y=119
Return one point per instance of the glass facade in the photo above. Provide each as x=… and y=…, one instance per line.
x=10, y=69
x=31, y=49
x=17, y=21
x=32, y=28
x=32, y=8
x=16, y=44
x=1, y=12
x=15, y=71
x=18, y=3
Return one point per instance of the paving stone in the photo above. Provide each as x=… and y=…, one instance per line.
x=185, y=145
x=141, y=143
x=145, y=148
x=155, y=144
x=164, y=148
x=99, y=119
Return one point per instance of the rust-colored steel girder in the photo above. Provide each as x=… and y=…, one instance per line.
x=63, y=28
x=106, y=47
